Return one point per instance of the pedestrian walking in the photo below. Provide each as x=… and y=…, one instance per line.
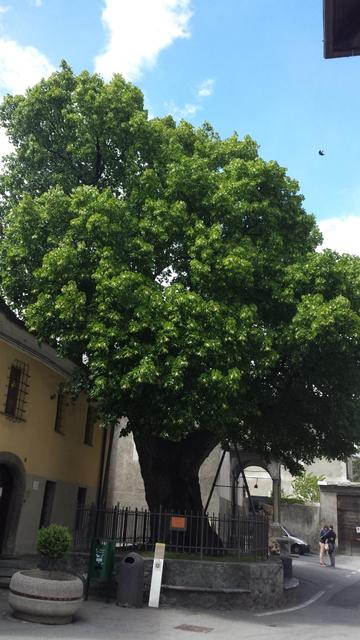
x=330, y=542
x=322, y=541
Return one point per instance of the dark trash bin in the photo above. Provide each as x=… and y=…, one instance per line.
x=130, y=581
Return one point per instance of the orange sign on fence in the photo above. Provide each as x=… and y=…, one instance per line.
x=178, y=523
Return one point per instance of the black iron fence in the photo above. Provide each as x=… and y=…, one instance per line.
x=192, y=533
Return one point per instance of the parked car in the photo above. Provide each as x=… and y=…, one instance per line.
x=297, y=545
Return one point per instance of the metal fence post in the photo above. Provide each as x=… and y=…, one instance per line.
x=202, y=536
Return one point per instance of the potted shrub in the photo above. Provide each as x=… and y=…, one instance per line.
x=47, y=594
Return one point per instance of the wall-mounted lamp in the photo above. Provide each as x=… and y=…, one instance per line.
x=256, y=484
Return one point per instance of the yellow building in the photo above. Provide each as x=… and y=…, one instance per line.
x=50, y=446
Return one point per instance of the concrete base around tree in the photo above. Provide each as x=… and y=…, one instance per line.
x=206, y=584
x=223, y=585
x=203, y=584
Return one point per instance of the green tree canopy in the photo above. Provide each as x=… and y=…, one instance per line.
x=356, y=469
x=181, y=270
x=306, y=487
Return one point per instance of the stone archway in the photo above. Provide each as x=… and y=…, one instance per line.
x=13, y=483
x=240, y=459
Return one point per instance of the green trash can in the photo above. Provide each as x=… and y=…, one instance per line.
x=102, y=560
x=130, y=581
x=100, y=567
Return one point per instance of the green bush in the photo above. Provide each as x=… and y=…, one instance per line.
x=292, y=500
x=285, y=499
x=356, y=468
x=305, y=486
x=53, y=541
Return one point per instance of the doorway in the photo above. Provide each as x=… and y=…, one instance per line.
x=12, y=489
x=349, y=524
x=6, y=490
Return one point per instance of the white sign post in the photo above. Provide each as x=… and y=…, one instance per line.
x=156, y=577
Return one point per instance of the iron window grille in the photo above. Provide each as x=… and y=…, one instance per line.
x=17, y=391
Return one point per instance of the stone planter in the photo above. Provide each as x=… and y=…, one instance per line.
x=44, y=596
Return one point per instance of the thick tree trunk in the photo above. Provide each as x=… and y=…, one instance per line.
x=170, y=471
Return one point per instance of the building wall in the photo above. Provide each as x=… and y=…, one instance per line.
x=334, y=471
x=303, y=521
x=328, y=503
x=42, y=453
x=63, y=511
x=207, y=474
x=61, y=456
x=126, y=485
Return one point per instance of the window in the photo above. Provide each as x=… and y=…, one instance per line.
x=80, y=504
x=81, y=497
x=59, y=413
x=17, y=391
x=89, y=426
x=47, y=505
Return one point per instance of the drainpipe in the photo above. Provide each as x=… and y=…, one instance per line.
x=101, y=469
x=104, y=489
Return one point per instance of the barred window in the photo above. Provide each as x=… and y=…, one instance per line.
x=17, y=391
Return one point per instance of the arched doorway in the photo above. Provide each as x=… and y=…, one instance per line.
x=12, y=489
x=260, y=486
x=241, y=460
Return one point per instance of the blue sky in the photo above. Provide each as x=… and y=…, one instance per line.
x=254, y=66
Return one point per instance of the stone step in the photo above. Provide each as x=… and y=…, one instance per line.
x=175, y=587
x=6, y=572
x=4, y=582
x=18, y=562
x=10, y=564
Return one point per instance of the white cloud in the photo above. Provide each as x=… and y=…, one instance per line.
x=341, y=234
x=188, y=111
x=206, y=88
x=21, y=67
x=137, y=31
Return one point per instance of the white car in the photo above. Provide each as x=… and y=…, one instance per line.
x=297, y=545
